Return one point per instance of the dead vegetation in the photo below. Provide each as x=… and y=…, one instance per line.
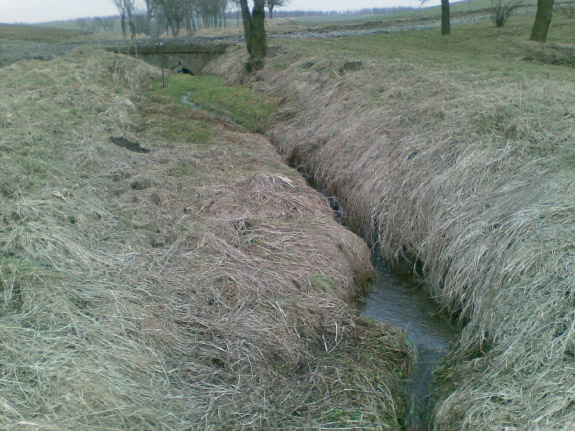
x=200, y=285
x=457, y=157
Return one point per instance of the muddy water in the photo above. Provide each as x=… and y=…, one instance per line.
x=396, y=299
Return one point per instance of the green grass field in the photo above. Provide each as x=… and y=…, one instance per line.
x=250, y=109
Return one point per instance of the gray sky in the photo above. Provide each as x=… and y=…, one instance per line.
x=50, y=10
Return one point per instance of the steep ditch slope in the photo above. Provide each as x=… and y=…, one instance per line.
x=457, y=158
x=161, y=270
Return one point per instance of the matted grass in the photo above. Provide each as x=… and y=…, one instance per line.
x=456, y=156
x=201, y=285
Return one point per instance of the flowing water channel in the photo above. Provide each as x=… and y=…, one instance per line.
x=399, y=301
x=185, y=99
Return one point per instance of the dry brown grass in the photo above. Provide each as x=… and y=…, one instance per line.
x=459, y=155
x=197, y=286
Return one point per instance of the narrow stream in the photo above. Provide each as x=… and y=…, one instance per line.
x=185, y=99
x=399, y=301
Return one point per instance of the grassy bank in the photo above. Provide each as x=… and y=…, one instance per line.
x=195, y=283
x=455, y=155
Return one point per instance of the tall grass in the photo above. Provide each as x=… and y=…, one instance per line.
x=455, y=156
x=200, y=285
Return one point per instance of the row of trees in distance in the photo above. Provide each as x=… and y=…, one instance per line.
x=155, y=23
x=151, y=17
x=138, y=16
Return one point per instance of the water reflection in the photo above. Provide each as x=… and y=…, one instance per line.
x=397, y=300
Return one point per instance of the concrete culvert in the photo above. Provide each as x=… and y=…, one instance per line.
x=180, y=68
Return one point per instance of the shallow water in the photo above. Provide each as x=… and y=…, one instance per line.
x=185, y=99
x=397, y=300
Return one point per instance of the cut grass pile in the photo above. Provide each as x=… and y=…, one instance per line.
x=456, y=154
x=200, y=285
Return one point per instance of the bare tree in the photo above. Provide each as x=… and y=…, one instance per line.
x=98, y=22
x=501, y=10
x=120, y=5
x=127, y=10
x=220, y=7
x=106, y=23
x=213, y=12
x=275, y=3
x=175, y=12
x=255, y=33
x=151, y=8
x=542, y=20
x=567, y=8
x=82, y=23
x=140, y=23
x=190, y=22
x=237, y=5
x=159, y=23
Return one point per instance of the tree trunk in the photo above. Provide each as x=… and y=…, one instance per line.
x=149, y=13
x=445, y=18
x=271, y=9
x=188, y=22
x=542, y=20
x=255, y=33
x=193, y=21
x=174, y=26
x=132, y=28
x=131, y=24
x=123, y=23
x=259, y=43
x=247, y=21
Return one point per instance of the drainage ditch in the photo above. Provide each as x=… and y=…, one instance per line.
x=400, y=301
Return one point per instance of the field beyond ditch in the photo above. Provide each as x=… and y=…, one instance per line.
x=455, y=156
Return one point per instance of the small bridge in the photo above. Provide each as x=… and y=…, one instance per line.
x=193, y=55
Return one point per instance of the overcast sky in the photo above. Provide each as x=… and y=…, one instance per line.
x=50, y=10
